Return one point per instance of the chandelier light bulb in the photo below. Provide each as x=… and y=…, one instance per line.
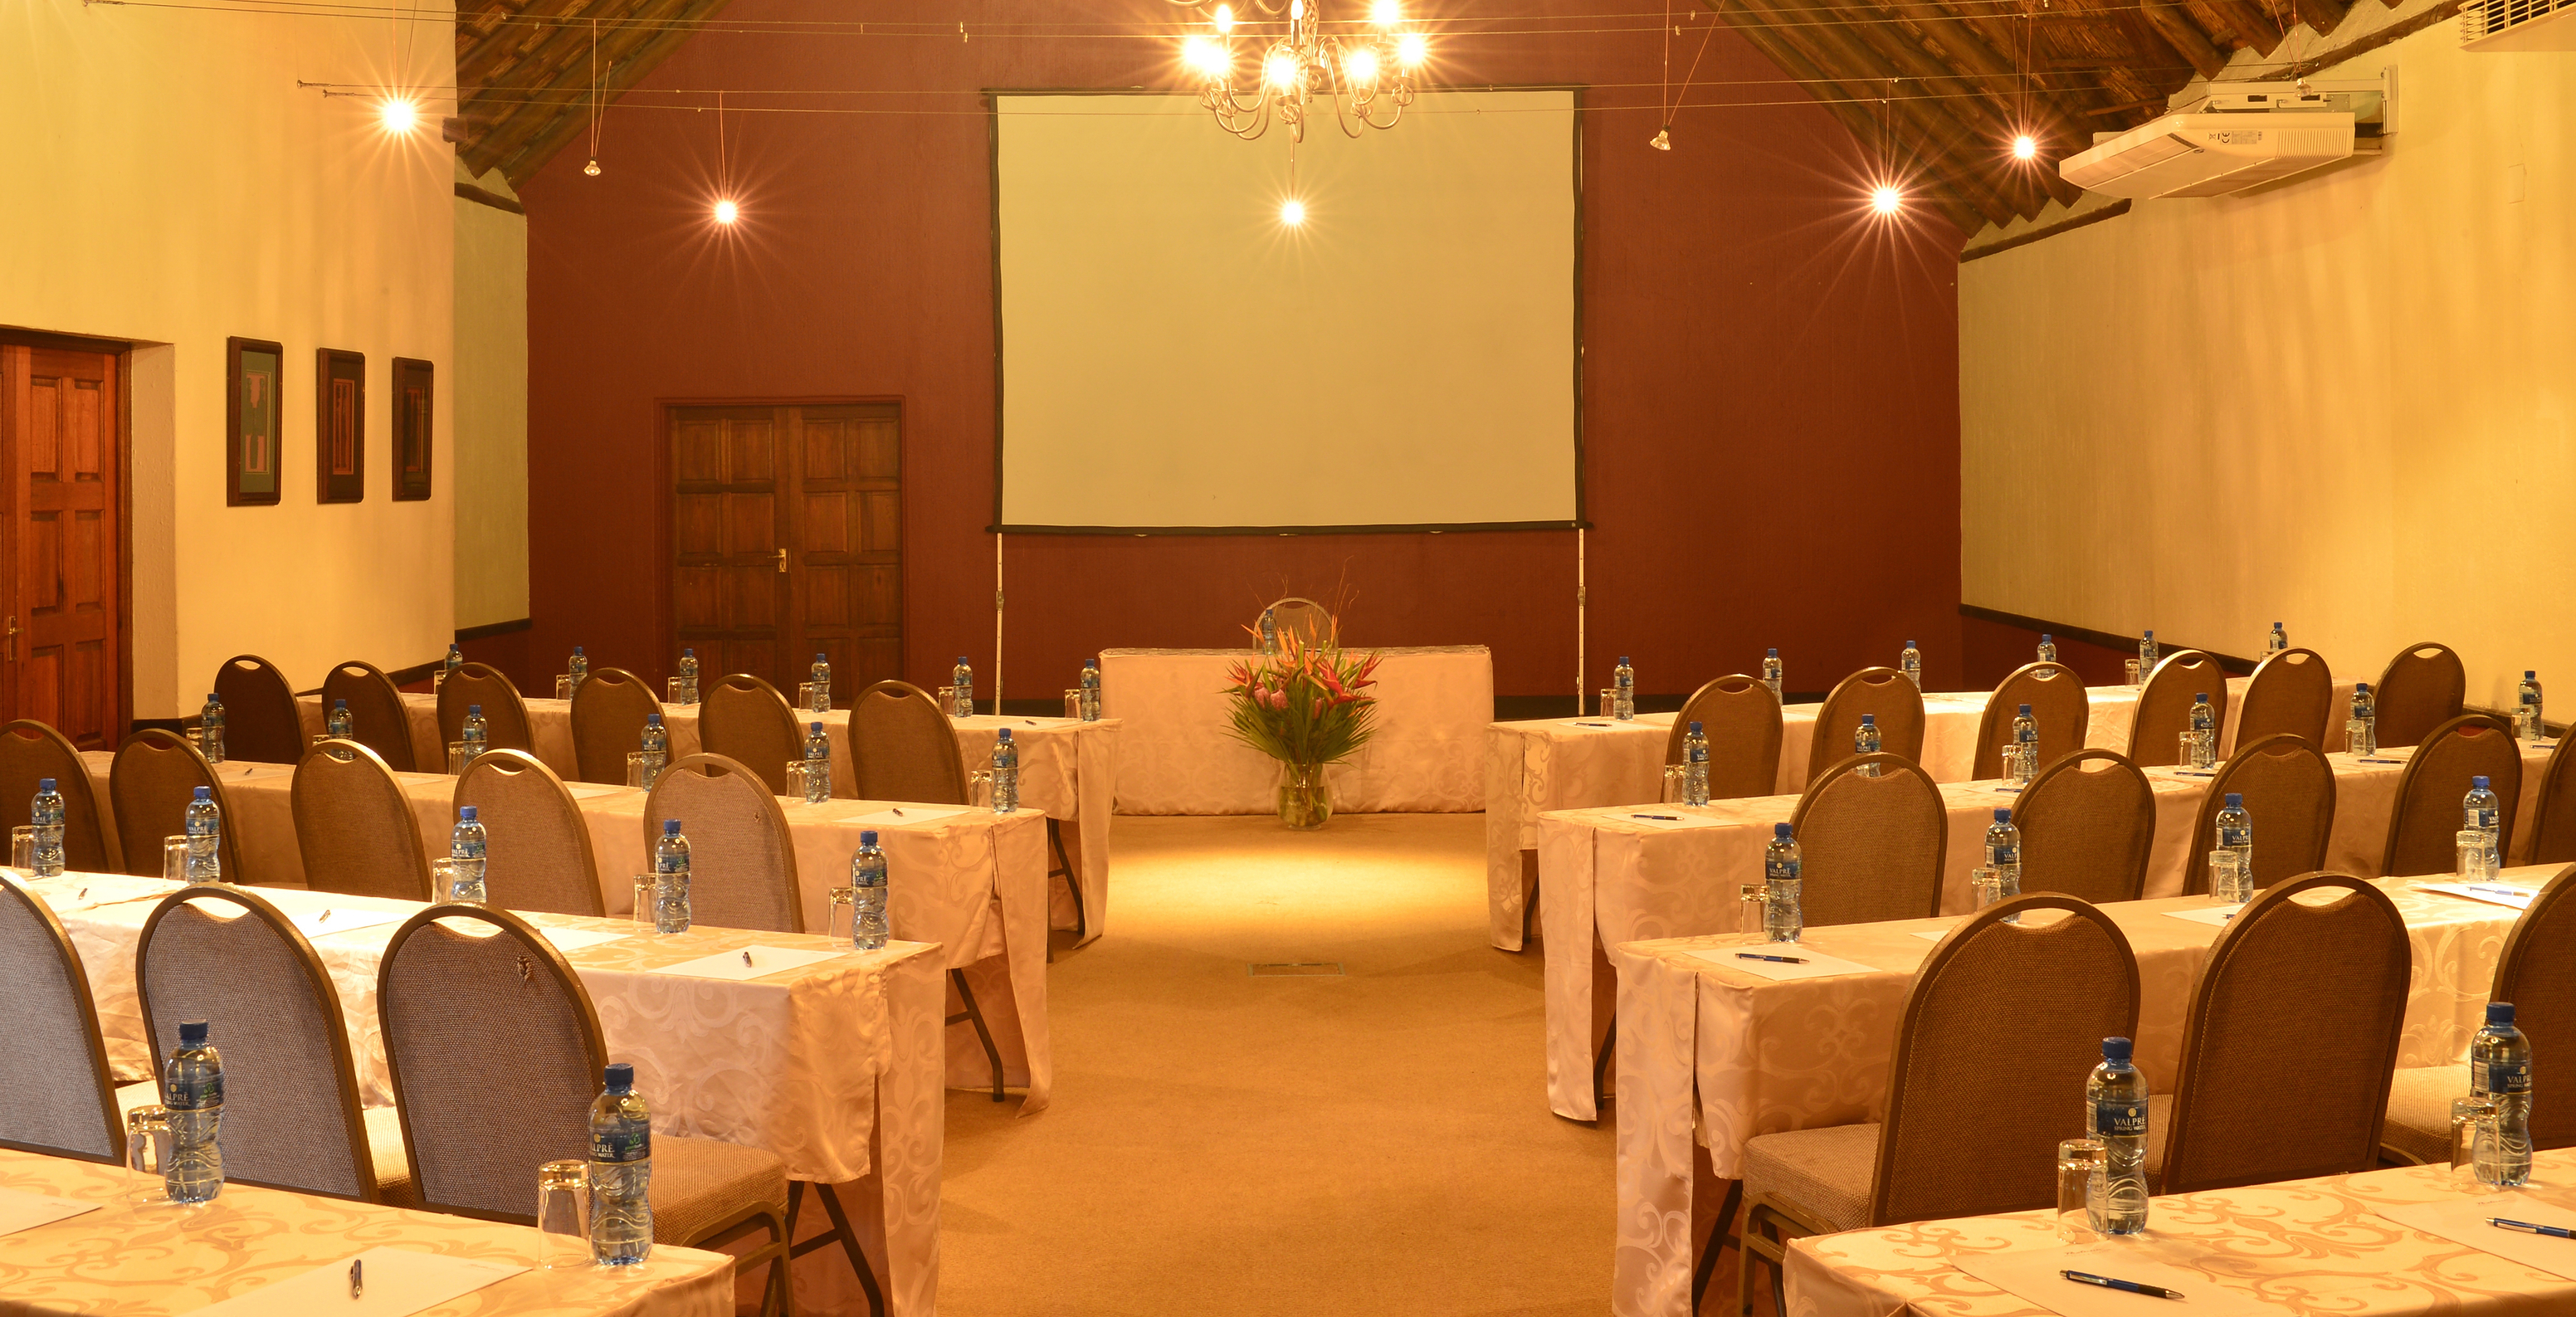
x=1281, y=70
x=1886, y=200
x=1362, y=67
x=1411, y=49
x=1208, y=57
x=591, y=169
x=726, y=212
x=398, y=114
x=1386, y=13
x=2025, y=147
x=1292, y=213
x=1224, y=18
x=1296, y=11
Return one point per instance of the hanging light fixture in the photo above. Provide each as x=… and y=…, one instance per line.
x=1366, y=71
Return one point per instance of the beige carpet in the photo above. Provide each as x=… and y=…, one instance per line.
x=1224, y=1144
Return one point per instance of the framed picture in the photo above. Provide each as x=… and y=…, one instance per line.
x=411, y=428
x=253, y=368
x=340, y=426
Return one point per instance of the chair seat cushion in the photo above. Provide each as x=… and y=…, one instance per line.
x=393, y=1164
x=1823, y=1175
x=2419, y=1111
x=699, y=1185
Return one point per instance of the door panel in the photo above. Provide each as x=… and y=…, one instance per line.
x=58, y=443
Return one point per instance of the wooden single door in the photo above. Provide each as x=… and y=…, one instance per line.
x=787, y=540
x=59, y=433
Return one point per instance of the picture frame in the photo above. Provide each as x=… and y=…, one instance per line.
x=339, y=426
x=414, y=393
x=254, y=422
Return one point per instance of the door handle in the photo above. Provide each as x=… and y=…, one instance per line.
x=11, y=654
x=782, y=562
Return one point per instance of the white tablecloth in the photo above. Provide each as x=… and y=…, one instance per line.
x=1179, y=756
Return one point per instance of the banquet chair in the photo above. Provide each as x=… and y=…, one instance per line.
x=745, y=719
x=377, y=717
x=2553, y=823
x=495, y=1053
x=742, y=863
x=261, y=725
x=903, y=748
x=30, y=752
x=53, y=1065
x=150, y=784
x=2289, y=793
x=2324, y=983
x=2422, y=688
x=2000, y=1026
x=2164, y=706
x=2292, y=692
x=1883, y=692
x=1741, y=718
x=2424, y=827
x=537, y=849
x=1871, y=846
x=608, y=714
x=2087, y=823
x=1310, y=620
x=2536, y=971
x=355, y=826
x=505, y=713
x=293, y=1118
x=2057, y=703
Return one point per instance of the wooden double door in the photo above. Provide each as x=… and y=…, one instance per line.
x=61, y=540
x=787, y=535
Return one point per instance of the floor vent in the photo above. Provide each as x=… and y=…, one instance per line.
x=1298, y=969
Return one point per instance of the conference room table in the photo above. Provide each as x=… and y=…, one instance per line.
x=1612, y=875
x=1712, y=1053
x=1178, y=754
x=1068, y=772
x=833, y=1065
x=118, y=1254
x=968, y=879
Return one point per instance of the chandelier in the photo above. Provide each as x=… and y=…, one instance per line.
x=1366, y=72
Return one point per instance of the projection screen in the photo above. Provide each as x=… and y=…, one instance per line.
x=1174, y=357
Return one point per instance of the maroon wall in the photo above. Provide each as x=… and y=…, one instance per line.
x=1770, y=380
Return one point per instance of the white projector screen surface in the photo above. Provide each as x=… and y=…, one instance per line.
x=1175, y=357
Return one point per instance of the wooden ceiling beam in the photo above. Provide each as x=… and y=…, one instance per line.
x=537, y=104
x=1984, y=109
x=2173, y=23
x=2323, y=15
x=539, y=147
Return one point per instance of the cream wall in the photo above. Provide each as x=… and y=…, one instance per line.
x=491, y=410
x=2342, y=402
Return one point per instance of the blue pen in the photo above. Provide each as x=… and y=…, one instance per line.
x=2527, y=1228
x=2500, y=891
x=1668, y=818
x=2114, y=1283
x=1776, y=960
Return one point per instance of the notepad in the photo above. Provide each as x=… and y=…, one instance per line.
x=2504, y=894
x=82, y=891
x=1671, y=817
x=574, y=939
x=592, y=790
x=2033, y=1274
x=323, y=920
x=1596, y=724
x=2216, y=916
x=1817, y=966
x=2465, y=1220
x=399, y=1282
x=25, y=1211
x=733, y=965
x=887, y=818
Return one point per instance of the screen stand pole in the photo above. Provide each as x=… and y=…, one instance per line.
x=997, y=624
x=1582, y=619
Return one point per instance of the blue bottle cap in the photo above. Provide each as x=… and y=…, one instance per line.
x=213, y=698
x=2025, y=711
x=576, y=649
x=961, y=658
x=1909, y=644
x=194, y=1031
x=474, y=710
x=2361, y=688
x=47, y=783
x=2149, y=633
x=465, y=813
x=2498, y=1012
x=339, y=704
x=2047, y=639
x=2115, y=1049
x=1005, y=734
x=205, y=793
x=688, y=653
x=820, y=658
x=2003, y=816
x=1771, y=653
x=2478, y=783
x=2235, y=801
x=2527, y=675
x=867, y=836
x=652, y=720
x=620, y=1077
x=1779, y=829
x=1623, y=660
x=815, y=728
x=1694, y=731
x=2200, y=698
x=1866, y=720
x=1091, y=663
x=670, y=827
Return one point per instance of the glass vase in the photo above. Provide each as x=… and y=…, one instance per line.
x=1305, y=803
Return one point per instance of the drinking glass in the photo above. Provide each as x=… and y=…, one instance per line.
x=1752, y=909
x=671, y=691
x=2471, y=845
x=635, y=770
x=948, y=700
x=1609, y=702
x=1988, y=884
x=2011, y=769
x=563, y=685
x=813, y=698
x=563, y=1208
x=22, y=847
x=2473, y=1124
x=1675, y=790
x=174, y=859
x=2133, y=670
x=147, y=1154
x=841, y=898
x=2227, y=877
x=1073, y=704
x=442, y=879
x=979, y=788
x=197, y=739
x=795, y=779
x=456, y=759
x=646, y=892
x=2079, y=1190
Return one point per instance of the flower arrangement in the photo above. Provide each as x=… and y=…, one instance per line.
x=1306, y=706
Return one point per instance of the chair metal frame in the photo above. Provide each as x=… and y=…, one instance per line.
x=86, y=1006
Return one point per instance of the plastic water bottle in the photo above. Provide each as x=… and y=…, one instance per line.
x=2500, y=1070
x=455, y=660
x=688, y=676
x=1866, y=739
x=2362, y=730
x=2047, y=648
x=671, y=880
x=1623, y=691
x=963, y=678
x=466, y=846
x=2025, y=734
x=656, y=745
x=205, y=839
x=2003, y=856
x=2528, y=694
x=621, y=1172
x=210, y=729
x=1782, y=918
x=818, y=765
x=1006, y=773
x=868, y=894
x=2481, y=813
x=2146, y=652
x=2115, y=1110
x=2279, y=640
x=1091, y=691
x=475, y=733
x=339, y=724
x=821, y=677
x=1695, y=766
x=2233, y=882
x=578, y=667
x=45, y=814
x=1911, y=664
x=2204, y=732
x=193, y=1090
x=1269, y=635
x=1771, y=671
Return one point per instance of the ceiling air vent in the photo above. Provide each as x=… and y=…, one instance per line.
x=2512, y=26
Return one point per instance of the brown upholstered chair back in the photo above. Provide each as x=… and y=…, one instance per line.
x=505, y=713
x=2057, y=702
x=2423, y=831
x=2537, y=973
x=261, y=725
x=355, y=826
x=1884, y=693
x=608, y=715
x=495, y=1053
x=742, y=863
x=2087, y=822
x=155, y=775
x=292, y=1119
x=1310, y=621
x=2164, y=705
x=1741, y=718
x=62, y=1097
x=2553, y=820
x=745, y=719
x=30, y=752
x=2422, y=688
x=2289, y=794
x=2325, y=984
x=2292, y=693
x=903, y=748
x=377, y=718
x=2003, y=1018
x=537, y=853
x=1871, y=846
